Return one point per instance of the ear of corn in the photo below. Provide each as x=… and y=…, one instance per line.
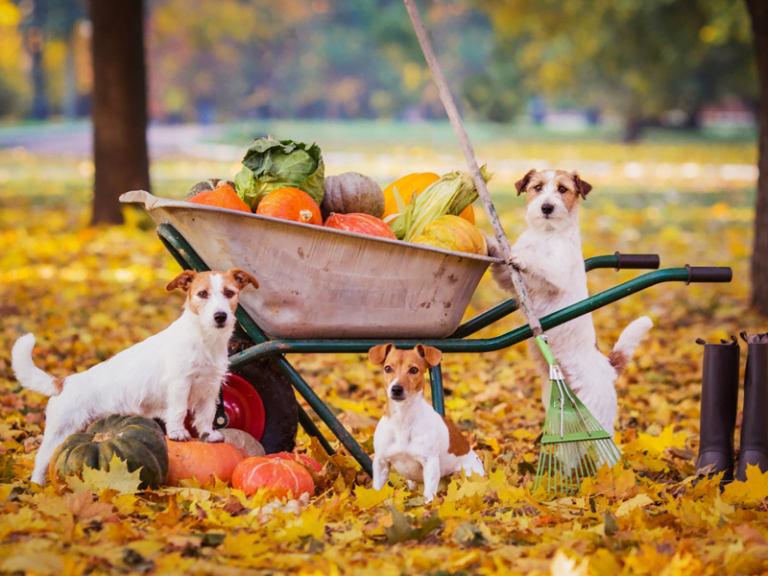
x=451, y=194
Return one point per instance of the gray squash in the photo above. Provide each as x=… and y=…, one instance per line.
x=352, y=193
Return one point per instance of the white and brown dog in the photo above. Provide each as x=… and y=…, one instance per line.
x=165, y=376
x=422, y=445
x=548, y=255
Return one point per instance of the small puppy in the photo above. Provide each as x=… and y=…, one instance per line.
x=176, y=370
x=548, y=255
x=422, y=445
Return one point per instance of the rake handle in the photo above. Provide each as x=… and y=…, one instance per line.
x=469, y=156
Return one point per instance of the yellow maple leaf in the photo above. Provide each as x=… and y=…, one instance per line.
x=655, y=445
x=368, y=497
x=116, y=478
x=562, y=565
x=638, y=501
x=310, y=523
x=753, y=491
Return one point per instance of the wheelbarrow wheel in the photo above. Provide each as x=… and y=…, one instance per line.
x=274, y=401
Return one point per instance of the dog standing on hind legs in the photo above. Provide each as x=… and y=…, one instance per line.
x=165, y=376
x=548, y=255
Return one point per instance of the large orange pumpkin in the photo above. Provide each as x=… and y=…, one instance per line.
x=281, y=477
x=302, y=459
x=291, y=204
x=202, y=461
x=360, y=223
x=223, y=196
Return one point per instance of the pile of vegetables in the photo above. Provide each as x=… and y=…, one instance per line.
x=286, y=179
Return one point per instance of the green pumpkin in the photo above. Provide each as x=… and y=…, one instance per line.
x=138, y=441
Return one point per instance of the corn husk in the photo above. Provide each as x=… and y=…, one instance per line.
x=451, y=194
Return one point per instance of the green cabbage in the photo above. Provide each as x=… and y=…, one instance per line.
x=272, y=164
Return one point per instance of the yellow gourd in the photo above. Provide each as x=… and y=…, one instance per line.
x=453, y=233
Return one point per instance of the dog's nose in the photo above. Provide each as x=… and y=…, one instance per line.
x=547, y=209
x=220, y=317
x=397, y=391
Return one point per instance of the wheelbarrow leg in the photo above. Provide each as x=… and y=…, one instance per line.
x=325, y=415
x=436, y=380
x=312, y=430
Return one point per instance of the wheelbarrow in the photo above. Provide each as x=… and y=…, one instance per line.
x=332, y=291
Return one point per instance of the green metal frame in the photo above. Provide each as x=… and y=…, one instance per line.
x=457, y=342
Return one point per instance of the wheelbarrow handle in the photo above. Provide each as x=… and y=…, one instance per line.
x=709, y=274
x=638, y=261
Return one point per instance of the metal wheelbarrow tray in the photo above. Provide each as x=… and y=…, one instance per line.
x=203, y=238
x=317, y=282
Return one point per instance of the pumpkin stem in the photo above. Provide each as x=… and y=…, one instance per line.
x=305, y=215
x=102, y=437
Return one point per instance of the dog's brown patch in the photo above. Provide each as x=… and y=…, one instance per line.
x=457, y=443
x=58, y=383
x=201, y=284
x=183, y=281
x=618, y=360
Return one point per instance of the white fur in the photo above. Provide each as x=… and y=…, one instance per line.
x=176, y=370
x=414, y=439
x=548, y=254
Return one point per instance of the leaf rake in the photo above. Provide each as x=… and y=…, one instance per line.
x=573, y=444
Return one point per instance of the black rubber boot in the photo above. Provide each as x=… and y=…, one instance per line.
x=754, y=424
x=719, y=395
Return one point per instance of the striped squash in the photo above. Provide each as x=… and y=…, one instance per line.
x=138, y=441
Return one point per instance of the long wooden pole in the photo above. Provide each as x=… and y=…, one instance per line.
x=469, y=156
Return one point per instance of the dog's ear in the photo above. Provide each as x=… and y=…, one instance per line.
x=183, y=281
x=242, y=278
x=582, y=187
x=521, y=184
x=433, y=356
x=378, y=354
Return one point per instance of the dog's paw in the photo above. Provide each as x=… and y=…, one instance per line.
x=214, y=437
x=181, y=435
x=517, y=262
x=412, y=485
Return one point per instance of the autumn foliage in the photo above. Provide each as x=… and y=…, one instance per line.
x=88, y=293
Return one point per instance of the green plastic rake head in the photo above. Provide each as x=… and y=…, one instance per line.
x=573, y=445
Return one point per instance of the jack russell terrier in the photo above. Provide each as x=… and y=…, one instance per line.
x=548, y=255
x=422, y=445
x=176, y=370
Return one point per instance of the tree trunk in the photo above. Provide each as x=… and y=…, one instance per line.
x=758, y=10
x=119, y=105
x=633, y=129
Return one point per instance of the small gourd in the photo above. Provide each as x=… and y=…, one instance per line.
x=352, y=193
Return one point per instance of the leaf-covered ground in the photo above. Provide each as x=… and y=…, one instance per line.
x=88, y=293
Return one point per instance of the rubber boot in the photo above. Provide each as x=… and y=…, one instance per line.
x=754, y=424
x=719, y=396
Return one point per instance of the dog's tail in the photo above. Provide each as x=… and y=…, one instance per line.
x=625, y=346
x=29, y=375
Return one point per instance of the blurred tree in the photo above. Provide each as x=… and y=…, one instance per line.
x=14, y=84
x=638, y=57
x=758, y=10
x=119, y=105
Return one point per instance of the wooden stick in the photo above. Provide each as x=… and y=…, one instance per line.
x=469, y=156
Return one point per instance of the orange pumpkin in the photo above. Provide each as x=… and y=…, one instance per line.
x=291, y=204
x=223, y=196
x=281, y=477
x=405, y=187
x=302, y=459
x=202, y=461
x=360, y=223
